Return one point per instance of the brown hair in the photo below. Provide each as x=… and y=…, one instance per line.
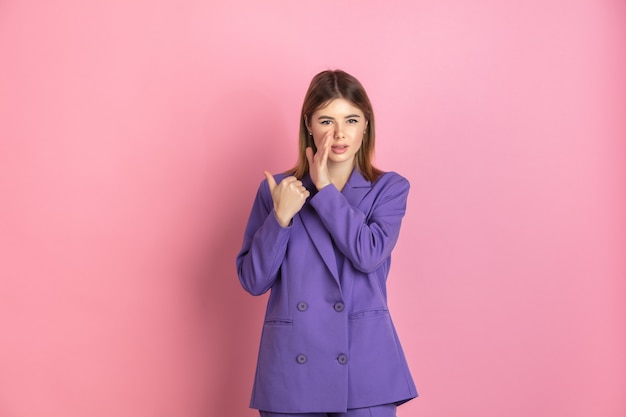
x=325, y=87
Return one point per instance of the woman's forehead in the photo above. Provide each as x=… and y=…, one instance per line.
x=339, y=106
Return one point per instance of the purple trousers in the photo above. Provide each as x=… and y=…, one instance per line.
x=386, y=410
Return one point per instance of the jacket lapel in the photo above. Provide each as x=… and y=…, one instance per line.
x=317, y=231
x=355, y=189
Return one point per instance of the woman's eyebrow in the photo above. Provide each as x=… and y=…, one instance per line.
x=350, y=116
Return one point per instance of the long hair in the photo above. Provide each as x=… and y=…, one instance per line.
x=325, y=87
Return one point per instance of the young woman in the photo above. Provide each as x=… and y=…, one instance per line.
x=320, y=238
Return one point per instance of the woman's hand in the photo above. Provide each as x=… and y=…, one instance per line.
x=289, y=196
x=318, y=163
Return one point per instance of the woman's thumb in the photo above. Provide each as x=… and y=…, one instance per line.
x=309, y=155
x=270, y=180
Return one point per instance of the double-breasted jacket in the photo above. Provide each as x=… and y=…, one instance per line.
x=328, y=342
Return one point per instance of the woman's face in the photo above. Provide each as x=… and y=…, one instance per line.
x=345, y=126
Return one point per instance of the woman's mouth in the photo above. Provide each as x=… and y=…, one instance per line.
x=339, y=148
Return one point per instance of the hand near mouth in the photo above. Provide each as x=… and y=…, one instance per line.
x=318, y=163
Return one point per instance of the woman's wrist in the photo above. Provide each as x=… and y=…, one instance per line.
x=319, y=186
x=283, y=221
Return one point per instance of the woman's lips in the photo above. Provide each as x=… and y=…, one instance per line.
x=339, y=148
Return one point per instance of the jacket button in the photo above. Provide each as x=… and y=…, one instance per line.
x=339, y=306
x=342, y=359
x=302, y=306
x=301, y=359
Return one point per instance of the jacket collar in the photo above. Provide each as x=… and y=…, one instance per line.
x=356, y=188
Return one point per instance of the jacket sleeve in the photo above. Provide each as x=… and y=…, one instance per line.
x=264, y=245
x=366, y=239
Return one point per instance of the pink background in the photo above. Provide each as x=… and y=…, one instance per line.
x=133, y=137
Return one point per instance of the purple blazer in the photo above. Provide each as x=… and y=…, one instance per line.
x=328, y=342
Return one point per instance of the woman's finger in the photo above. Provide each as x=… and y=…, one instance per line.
x=270, y=180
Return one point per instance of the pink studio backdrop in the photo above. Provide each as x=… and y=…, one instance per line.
x=133, y=135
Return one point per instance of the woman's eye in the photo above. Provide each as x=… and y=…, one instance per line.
x=352, y=121
x=325, y=122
